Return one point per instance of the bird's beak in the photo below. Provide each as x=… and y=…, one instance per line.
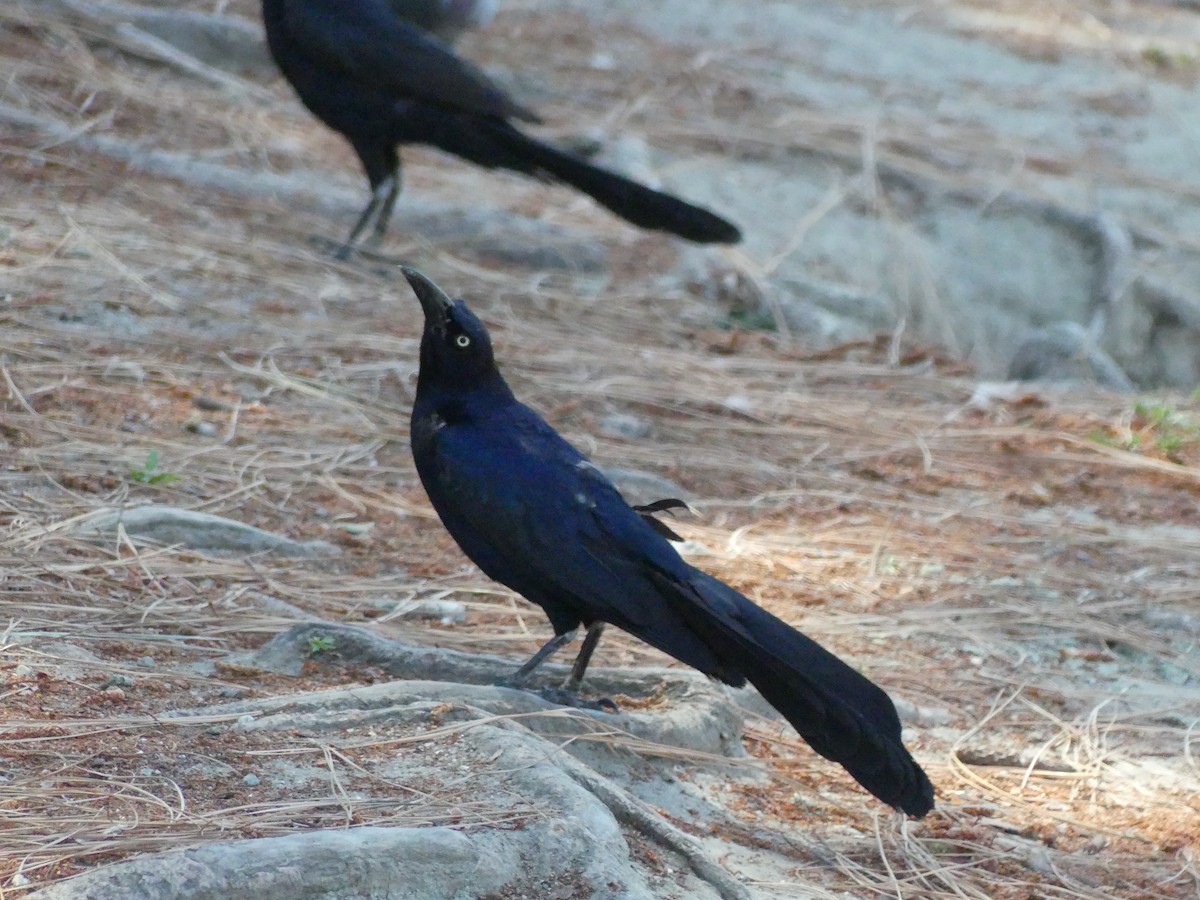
x=435, y=303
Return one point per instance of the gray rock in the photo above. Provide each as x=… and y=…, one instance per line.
x=69, y=661
x=448, y=612
x=557, y=252
x=1168, y=303
x=623, y=425
x=200, y=531
x=230, y=43
x=399, y=863
x=202, y=428
x=1172, y=621
x=1064, y=353
x=119, y=369
x=695, y=714
x=1173, y=355
x=937, y=229
x=921, y=715
x=572, y=842
x=826, y=312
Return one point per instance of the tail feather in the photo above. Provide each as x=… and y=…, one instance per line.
x=840, y=713
x=496, y=144
x=636, y=203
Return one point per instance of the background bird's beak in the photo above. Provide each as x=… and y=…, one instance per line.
x=435, y=303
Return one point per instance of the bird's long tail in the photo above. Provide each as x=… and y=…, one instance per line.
x=840, y=713
x=495, y=143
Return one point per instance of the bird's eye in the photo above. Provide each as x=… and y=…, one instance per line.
x=463, y=341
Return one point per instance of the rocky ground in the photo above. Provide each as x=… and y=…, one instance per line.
x=239, y=650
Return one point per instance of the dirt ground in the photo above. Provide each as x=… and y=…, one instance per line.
x=1017, y=566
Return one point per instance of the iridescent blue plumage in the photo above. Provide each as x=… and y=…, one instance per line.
x=537, y=516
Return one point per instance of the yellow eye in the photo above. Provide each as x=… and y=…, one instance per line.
x=463, y=341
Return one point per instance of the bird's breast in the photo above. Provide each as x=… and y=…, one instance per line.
x=425, y=428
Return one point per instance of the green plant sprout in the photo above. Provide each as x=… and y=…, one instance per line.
x=1153, y=426
x=147, y=474
x=321, y=643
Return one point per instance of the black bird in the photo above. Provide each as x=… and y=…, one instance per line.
x=380, y=80
x=536, y=515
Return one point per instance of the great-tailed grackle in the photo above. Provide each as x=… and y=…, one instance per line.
x=536, y=515
x=372, y=75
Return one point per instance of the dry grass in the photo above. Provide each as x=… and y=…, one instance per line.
x=159, y=785
x=999, y=568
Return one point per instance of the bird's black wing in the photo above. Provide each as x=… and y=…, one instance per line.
x=367, y=40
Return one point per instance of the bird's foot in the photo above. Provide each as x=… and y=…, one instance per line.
x=566, y=697
x=333, y=249
x=562, y=696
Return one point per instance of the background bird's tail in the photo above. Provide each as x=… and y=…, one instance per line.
x=840, y=713
x=495, y=143
x=636, y=203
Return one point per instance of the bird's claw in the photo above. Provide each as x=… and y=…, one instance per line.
x=565, y=697
x=330, y=248
x=561, y=696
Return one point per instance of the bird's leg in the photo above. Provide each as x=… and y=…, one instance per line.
x=568, y=694
x=590, y=640
x=552, y=646
x=379, y=198
x=389, y=204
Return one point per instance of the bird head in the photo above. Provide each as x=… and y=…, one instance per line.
x=456, y=351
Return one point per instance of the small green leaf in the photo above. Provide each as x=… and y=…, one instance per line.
x=147, y=475
x=321, y=643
